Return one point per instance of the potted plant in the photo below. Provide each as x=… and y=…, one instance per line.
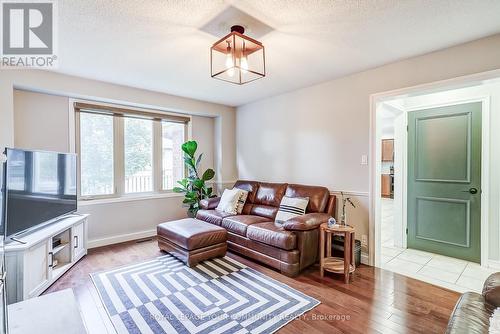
x=194, y=186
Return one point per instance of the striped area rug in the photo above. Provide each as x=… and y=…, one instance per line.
x=217, y=296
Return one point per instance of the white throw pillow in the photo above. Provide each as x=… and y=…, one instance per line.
x=495, y=322
x=242, y=200
x=229, y=201
x=291, y=207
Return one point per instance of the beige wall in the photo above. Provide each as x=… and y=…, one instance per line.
x=41, y=121
x=203, y=131
x=34, y=119
x=317, y=135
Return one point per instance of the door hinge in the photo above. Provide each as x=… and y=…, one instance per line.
x=407, y=230
x=407, y=128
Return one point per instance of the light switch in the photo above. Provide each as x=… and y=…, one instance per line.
x=364, y=159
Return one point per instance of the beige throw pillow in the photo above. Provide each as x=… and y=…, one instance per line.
x=229, y=201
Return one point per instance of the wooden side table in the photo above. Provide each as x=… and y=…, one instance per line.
x=333, y=264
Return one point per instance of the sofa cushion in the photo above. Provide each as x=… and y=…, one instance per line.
x=318, y=196
x=266, y=211
x=212, y=216
x=272, y=234
x=191, y=233
x=270, y=194
x=238, y=224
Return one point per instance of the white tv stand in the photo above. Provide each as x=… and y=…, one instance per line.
x=33, y=264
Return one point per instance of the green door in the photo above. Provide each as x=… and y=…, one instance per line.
x=444, y=179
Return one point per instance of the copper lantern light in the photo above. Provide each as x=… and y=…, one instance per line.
x=237, y=58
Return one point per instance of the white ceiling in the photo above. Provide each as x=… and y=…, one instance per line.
x=158, y=44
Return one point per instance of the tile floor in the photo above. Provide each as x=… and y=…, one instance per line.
x=447, y=272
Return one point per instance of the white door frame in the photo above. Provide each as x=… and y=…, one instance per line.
x=375, y=154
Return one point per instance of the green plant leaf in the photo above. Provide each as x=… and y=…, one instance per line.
x=199, y=183
x=184, y=183
x=179, y=190
x=190, y=147
x=208, y=175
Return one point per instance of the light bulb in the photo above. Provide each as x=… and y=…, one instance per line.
x=244, y=64
x=229, y=61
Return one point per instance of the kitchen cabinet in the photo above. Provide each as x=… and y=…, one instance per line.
x=386, y=185
x=387, y=149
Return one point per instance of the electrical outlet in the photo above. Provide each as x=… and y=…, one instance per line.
x=364, y=240
x=364, y=159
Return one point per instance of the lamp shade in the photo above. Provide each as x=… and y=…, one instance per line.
x=237, y=58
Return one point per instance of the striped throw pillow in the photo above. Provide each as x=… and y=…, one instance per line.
x=242, y=200
x=291, y=207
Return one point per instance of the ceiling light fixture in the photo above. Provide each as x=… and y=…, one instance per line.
x=237, y=58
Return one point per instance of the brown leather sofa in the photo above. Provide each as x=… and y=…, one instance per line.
x=289, y=247
x=473, y=310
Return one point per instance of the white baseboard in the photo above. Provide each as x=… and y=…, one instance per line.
x=120, y=238
x=494, y=264
x=349, y=193
x=365, y=259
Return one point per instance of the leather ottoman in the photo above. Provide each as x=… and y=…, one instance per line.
x=192, y=240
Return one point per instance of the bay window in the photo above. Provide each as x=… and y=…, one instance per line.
x=123, y=152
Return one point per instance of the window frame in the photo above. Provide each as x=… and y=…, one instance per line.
x=119, y=114
x=187, y=136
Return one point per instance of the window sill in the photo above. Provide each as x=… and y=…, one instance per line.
x=129, y=198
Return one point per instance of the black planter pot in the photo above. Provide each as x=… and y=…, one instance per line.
x=338, y=248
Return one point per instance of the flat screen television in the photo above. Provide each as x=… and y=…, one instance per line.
x=39, y=187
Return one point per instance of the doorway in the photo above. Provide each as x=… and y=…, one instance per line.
x=442, y=176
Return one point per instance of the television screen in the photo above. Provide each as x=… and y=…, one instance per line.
x=39, y=187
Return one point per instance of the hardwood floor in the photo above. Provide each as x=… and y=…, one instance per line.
x=376, y=300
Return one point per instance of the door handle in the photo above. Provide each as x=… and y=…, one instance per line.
x=471, y=191
x=51, y=259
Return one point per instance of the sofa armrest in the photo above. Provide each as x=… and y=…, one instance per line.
x=306, y=222
x=491, y=289
x=209, y=203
